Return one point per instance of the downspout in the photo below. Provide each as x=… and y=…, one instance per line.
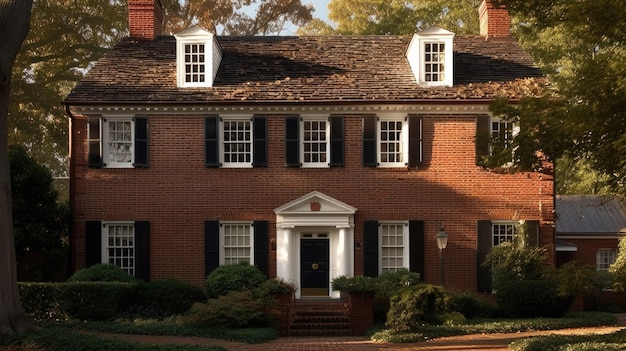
x=72, y=265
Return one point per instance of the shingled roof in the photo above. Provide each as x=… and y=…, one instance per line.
x=317, y=69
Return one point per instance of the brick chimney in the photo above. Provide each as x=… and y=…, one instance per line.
x=495, y=21
x=145, y=19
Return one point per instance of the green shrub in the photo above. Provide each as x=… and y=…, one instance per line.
x=450, y=318
x=357, y=284
x=236, y=277
x=416, y=305
x=390, y=283
x=163, y=298
x=532, y=298
x=274, y=287
x=102, y=273
x=236, y=309
x=94, y=300
x=465, y=303
x=39, y=300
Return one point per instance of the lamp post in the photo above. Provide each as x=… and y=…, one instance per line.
x=442, y=242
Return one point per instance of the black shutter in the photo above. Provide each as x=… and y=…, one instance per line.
x=416, y=247
x=95, y=142
x=211, y=246
x=292, y=141
x=337, y=141
x=261, y=246
x=370, y=158
x=211, y=141
x=532, y=231
x=483, y=134
x=483, y=274
x=260, y=141
x=93, y=242
x=415, y=141
x=142, y=250
x=141, y=143
x=370, y=248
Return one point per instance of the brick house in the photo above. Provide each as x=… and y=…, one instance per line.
x=310, y=157
x=588, y=229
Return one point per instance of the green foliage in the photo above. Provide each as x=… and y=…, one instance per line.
x=516, y=260
x=104, y=272
x=416, y=305
x=273, y=287
x=575, y=278
x=618, y=268
x=66, y=340
x=237, y=309
x=388, y=284
x=614, y=341
x=40, y=223
x=39, y=301
x=234, y=277
x=466, y=304
x=163, y=298
x=356, y=284
x=94, y=300
x=380, y=17
x=532, y=298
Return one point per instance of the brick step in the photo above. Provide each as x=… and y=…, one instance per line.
x=320, y=318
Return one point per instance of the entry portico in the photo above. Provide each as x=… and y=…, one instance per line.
x=314, y=243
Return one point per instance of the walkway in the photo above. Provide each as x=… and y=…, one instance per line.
x=488, y=342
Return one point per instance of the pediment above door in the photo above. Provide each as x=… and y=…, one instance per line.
x=313, y=209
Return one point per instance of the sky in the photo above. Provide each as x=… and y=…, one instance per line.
x=321, y=8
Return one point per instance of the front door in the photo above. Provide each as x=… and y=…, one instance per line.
x=314, y=267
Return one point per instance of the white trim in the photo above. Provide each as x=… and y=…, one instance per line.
x=212, y=56
x=314, y=118
x=222, y=141
x=404, y=141
x=416, y=51
x=222, y=245
x=405, y=243
x=104, y=239
x=104, y=141
x=280, y=108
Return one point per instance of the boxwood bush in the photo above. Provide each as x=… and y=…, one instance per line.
x=235, y=277
x=416, y=305
x=237, y=309
x=102, y=273
x=532, y=298
x=164, y=298
x=94, y=300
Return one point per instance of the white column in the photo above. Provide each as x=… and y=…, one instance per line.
x=345, y=249
x=284, y=255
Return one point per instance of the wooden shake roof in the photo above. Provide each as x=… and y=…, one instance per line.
x=315, y=69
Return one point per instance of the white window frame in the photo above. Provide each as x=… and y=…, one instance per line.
x=106, y=155
x=605, y=258
x=404, y=140
x=510, y=231
x=417, y=56
x=224, y=245
x=404, y=225
x=223, y=142
x=312, y=164
x=129, y=268
x=212, y=56
x=495, y=127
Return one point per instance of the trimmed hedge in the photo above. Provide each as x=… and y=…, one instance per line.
x=163, y=298
x=103, y=272
x=532, y=298
x=233, y=277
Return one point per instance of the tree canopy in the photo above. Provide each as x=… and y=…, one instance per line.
x=580, y=46
x=381, y=17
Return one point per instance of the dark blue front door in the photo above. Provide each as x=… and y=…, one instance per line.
x=314, y=267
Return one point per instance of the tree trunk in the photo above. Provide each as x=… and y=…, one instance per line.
x=14, y=25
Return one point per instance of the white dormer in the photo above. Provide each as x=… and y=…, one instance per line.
x=198, y=57
x=430, y=57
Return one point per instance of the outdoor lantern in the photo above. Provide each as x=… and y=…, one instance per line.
x=442, y=242
x=442, y=239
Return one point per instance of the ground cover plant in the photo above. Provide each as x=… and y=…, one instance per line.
x=614, y=341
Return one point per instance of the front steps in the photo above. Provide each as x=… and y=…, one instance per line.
x=320, y=317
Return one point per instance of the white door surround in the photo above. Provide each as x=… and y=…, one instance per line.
x=314, y=213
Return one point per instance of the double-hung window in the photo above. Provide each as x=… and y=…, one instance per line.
x=430, y=56
x=235, y=141
x=118, y=245
x=392, y=141
x=237, y=242
x=434, y=62
x=118, y=142
x=314, y=141
x=394, y=248
x=503, y=232
x=604, y=259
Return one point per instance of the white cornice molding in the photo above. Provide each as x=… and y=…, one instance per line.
x=284, y=109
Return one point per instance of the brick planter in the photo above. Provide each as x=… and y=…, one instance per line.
x=361, y=312
x=280, y=313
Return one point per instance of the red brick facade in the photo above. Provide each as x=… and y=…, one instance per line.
x=495, y=22
x=177, y=193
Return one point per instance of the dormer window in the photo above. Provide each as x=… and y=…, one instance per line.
x=430, y=57
x=198, y=56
